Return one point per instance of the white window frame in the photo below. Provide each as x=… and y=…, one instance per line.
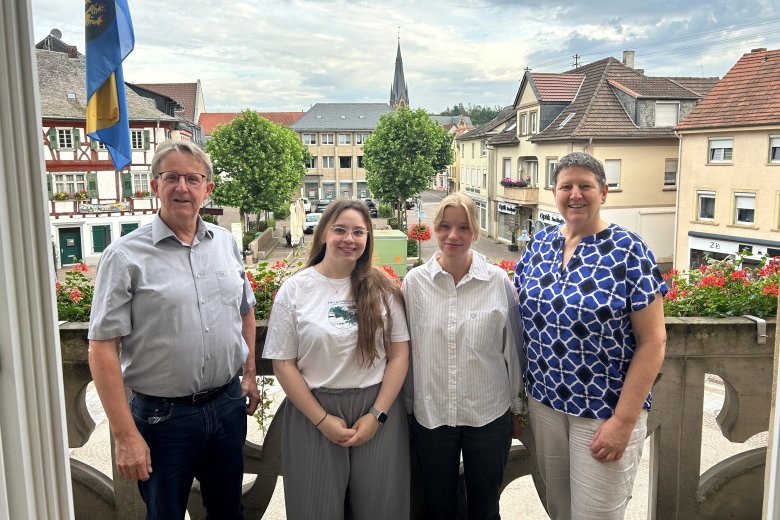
x=473, y=180
x=361, y=138
x=482, y=147
x=774, y=149
x=532, y=172
x=65, y=138
x=312, y=164
x=137, y=140
x=667, y=113
x=612, y=169
x=70, y=182
x=744, y=208
x=670, y=175
x=523, y=124
x=309, y=139
x=720, y=150
x=700, y=196
x=329, y=190
x=533, y=122
x=345, y=139
x=507, y=168
x=484, y=177
x=327, y=162
x=551, y=164
x=351, y=162
x=141, y=182
x=327, y=138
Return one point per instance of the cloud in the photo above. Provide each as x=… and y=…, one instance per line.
x=287, y=55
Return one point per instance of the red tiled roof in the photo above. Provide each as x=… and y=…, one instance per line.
x=557, y=87
x=209, y=121
x=185, y=94
x=749, y=94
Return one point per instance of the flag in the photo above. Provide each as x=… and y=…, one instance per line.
x=109, y=39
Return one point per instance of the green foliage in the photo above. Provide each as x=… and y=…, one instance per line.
x=262, y=225
x=258, y=165
x=411, y=247
x=385, y=210
x=74, y=295
x=404, y=152
x=393, y=223
x=270, y=223
x=479, y=114
x=722, y=289
x=211, y=219
x=265, y=281
x=263, y=414
x=282, y=212
x=247, y=238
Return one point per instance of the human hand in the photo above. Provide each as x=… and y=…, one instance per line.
x=133, y=459
x=611, y=439
x=250, y=390
x=365, y=429
x=335, y=429
x=517, y=426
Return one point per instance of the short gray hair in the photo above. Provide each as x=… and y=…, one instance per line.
x=583, y=160
x=187, y=147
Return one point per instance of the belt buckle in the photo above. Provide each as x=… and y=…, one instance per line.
x=200, y=396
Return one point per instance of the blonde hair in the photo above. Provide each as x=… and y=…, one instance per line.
x=463, y=201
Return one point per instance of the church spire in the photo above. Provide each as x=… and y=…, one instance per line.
x=399, y=94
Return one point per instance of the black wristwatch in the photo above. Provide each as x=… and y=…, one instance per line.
x=378, y=415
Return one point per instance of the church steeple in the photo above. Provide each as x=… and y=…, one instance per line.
x=399, y=94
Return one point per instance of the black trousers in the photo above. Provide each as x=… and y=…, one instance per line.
x=485, y=451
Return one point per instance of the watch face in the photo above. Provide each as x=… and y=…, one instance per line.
x=381, y=417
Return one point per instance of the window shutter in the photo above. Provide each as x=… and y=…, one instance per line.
x=127, y=184
x=92, y=190
x=76, y=138
x=53, y=138
x=147, y=139
x=93, y=144
x=50, y=184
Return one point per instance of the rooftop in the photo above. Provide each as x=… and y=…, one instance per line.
x=341, y=116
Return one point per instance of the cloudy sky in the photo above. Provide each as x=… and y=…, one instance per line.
x=276, y=55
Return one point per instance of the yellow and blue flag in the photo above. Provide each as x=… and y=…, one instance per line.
x=110, y=38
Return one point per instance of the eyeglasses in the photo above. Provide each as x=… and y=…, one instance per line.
x=357, y=232
x=172, y=178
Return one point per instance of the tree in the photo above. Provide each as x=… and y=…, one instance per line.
x=479, y=114
x=258, y=165
x=402, y=155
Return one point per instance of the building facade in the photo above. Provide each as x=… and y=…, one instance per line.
x=729, y=187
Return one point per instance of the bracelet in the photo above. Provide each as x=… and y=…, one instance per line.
x=321, y=420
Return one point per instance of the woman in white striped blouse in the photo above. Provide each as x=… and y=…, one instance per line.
x=465, y=379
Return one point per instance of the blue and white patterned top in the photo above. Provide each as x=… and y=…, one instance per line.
x=576, y=322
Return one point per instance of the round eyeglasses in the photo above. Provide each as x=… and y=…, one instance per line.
x=357, y=232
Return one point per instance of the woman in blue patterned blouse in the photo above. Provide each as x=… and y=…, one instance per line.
x=592, y=312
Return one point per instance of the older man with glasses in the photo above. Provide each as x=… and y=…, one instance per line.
x=172, y=319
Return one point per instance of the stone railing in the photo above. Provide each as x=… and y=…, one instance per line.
x=526, y=195
x=732, y=488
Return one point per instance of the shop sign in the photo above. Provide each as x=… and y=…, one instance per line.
x=509, y=209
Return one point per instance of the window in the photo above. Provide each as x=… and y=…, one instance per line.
x=312, y=163
x=508, y=168
x=327, y=161
x=360, y=162
x=65, y=138
x=483, y=148
x=345, y=188
x=329, y=190
x=141, y=182
x=612, y=169
x=312, y=190
x=667, y=113
x=70, y=182
x=362, y=189
x=774, y=148
x=345, y=139
x=327, y=138
x=551, y=164
x=721, y=149
x=361, y=138
x=309, y=138
x=474, y=174
x=484, y=177
x=705, y=205
x=137, y=139
x=533, y=122
x=744, y=208
x=345, y=161
x=523, y=124
x=463, y=175
x=472, y=150
x=532, y=173
x=670, y=172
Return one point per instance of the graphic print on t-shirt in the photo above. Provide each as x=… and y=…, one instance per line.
x=341, y=315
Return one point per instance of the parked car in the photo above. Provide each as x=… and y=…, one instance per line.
x=306, y=205
x=322, y=205
x=372, y=209
x=312, y=219
x=409, y=203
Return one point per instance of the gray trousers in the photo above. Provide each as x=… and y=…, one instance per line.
x=325, y=481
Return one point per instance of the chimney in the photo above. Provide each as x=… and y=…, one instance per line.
x=760, y=49
x=628, y=58
x=73, y=51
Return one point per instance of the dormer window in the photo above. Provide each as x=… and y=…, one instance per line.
x=667, y=113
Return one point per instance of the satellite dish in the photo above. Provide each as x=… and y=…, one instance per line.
x=56, y=33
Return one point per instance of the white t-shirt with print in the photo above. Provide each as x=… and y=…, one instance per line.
x=313, y=321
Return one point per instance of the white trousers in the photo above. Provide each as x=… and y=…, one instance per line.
x=580, y=487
